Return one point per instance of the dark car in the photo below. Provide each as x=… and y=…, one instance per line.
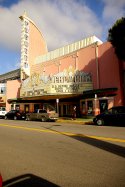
x=15, y=114
x=115, y=115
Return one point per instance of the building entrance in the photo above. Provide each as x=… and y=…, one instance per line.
x=103, y=105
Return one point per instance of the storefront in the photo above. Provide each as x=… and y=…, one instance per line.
x=62, y=91
x=98, y=101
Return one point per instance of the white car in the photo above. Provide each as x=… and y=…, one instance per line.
x=2, y=112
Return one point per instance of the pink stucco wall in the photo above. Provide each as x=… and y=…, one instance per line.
x=87, y=62
x=37, y=44
x=12, y=92
x=109, y=74
x=100, y=61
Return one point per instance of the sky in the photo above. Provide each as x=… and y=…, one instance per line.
x=61, y=22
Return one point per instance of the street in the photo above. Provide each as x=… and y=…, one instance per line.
x=36, y=154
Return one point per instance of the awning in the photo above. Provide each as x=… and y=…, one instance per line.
x=14, y=100
x=44, y=98
x=100, y=92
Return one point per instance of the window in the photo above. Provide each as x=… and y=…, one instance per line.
x=90, y=107
x=36, y=106
x=26, y=108
x=121, y=110
x=42, y=111
x=2, y=109
x=64, y=110
x=2, y=90
x=83, y=108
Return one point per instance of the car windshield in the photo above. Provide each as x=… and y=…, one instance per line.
x=2, y=109
x=115, y=110
x=12, y=111
x=111, y=111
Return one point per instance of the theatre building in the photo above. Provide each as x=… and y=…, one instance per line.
x=84, y=74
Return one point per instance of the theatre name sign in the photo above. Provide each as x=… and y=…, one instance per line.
x=66, y=82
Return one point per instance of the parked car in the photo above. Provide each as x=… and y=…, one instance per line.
x=42, y=115
x=15, y=114
x=114, y=115
x=2, y=112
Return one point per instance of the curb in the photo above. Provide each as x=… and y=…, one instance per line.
x=84, y=122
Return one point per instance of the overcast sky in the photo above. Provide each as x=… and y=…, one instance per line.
x=61, y=21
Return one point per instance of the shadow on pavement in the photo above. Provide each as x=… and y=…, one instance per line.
x=28, y=180
x=107, y=146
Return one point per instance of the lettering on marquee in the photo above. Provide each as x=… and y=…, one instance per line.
x=66, y=82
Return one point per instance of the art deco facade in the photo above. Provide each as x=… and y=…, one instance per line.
x=85, y=74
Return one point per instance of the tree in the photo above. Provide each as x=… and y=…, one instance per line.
x=117, y=38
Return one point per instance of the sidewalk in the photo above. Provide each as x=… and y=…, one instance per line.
x=83, y=121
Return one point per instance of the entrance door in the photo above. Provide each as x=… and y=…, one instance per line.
x=36, y=106
x=90, y=107
x=67, y=110
x=103, y=105
x=26, y=108
x=64, y=110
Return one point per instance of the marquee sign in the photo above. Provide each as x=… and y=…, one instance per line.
x=67, y=82
x=25, y=46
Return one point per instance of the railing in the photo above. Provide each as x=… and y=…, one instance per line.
x=67, y=49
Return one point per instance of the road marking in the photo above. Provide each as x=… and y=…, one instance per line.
x=66, y=133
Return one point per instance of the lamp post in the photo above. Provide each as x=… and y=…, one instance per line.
x=57, y=105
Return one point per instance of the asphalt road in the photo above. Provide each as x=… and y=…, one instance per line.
x=36, y=154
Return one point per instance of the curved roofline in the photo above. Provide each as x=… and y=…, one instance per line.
x=25, y=16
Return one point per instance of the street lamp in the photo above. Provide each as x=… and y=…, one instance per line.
x=57, y=105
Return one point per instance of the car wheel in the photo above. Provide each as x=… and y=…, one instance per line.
x=43, y=119
x=100, y=122
x=15, y=118
x=27, y=118
x=5, y=117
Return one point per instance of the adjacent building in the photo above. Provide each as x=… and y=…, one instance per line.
x=5, y=79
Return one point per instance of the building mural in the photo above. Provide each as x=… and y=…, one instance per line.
x=70, y=81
